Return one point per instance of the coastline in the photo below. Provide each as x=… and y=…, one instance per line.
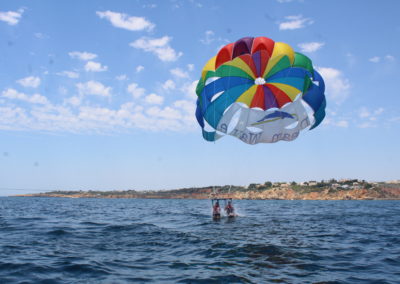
x=265, y=194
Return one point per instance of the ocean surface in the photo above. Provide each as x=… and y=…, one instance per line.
x=59, y=240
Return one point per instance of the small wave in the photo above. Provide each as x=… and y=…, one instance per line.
x=257, y=250
x=391, y=260
x=128, y=227
x=29, y=219
x=308, y=266
x=58, y=232
x=229, y=278
x=88, y=223
x=138, y=279
x=85, y=269
x=21, y=269
x=179, y=264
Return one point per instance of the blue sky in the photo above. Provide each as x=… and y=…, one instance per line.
x=100, y=94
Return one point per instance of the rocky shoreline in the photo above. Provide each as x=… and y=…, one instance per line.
x=289, y=193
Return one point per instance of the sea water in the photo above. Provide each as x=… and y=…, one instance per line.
x=60, y=240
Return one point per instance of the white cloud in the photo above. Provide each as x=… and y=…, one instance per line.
x=13, y=118
x=395, y=119
x=375, y=59
x=363, y=112
x=342, y=123
x=121, y=77
x=389, y=57
x=295, y=22
x=31, y=81
x=125, y=21
x=95, y=67
x=73, y=117
x=154, y=99
x=189, y=89
x=139, y=68
x=38, y=99
x=379, y=111
x=69, y=74
x=78, y=113
x=10, y=17
x=335, y=122
x=310, y=46
x=74, y=101
x=40, y=35
x=168, y=85
x=351, y=59
x=93, y=88
x=15, y=95
x=167, y=112
x=190, y=67
x=337, y=86
x=100, y=114
x=188, y=106
x=135, y=90
x=208, y=37
x=179, y=73
x=158, y=46
x=150, y=6
x=85, y=56
x=330, y=112
x=367, y=115
x=197, y=4
x=62, y=90
x=367, y=124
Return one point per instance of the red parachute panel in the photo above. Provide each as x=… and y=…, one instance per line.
x=224, y=55
x=247, y=58
x=263, y=43
x=258, y=99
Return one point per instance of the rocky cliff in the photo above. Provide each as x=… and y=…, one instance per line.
x=271, y=193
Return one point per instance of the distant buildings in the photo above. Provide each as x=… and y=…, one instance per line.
x=332, y=184
x=335, y=185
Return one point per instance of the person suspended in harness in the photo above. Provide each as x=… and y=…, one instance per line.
x=216, y=210
x=230, y=211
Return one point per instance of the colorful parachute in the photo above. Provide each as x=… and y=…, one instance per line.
x=259, y=91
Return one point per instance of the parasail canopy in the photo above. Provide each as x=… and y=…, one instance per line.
x=259, y=91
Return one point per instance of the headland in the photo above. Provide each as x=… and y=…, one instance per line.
x=346, y=189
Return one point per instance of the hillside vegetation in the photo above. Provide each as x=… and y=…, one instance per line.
x=323, y=190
